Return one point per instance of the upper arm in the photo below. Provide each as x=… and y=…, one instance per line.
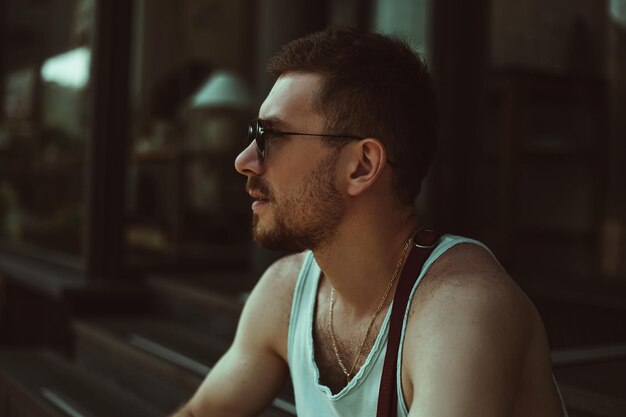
x=253, y=370
x=466, y=343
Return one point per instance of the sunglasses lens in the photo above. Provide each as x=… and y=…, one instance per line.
x=256, y=133
x=251, y=132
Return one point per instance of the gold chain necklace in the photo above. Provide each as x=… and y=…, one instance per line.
x=347, y=373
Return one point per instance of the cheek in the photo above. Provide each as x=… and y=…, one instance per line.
x=290, y=200
x=283, y=186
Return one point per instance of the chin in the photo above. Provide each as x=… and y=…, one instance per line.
x=277, y=240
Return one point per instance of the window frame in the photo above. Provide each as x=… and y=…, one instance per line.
x=106, y=153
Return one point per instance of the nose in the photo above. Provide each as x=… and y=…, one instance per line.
x=247, y=162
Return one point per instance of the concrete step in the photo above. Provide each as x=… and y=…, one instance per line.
x=193, y=302
x=156, y=359
x=43, y=384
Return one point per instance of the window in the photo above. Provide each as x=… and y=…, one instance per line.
x=190, y=105
x=44, y=92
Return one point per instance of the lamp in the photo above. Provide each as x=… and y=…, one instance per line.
x=217, y=116
x=222, y=90
x=217, y=113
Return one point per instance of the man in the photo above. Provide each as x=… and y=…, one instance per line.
x=334, y=164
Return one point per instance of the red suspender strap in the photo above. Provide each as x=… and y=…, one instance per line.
x=423, y=244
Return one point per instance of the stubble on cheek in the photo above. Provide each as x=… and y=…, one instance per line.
x=305, y=219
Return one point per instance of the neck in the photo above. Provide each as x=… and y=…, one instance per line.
x=361, y=259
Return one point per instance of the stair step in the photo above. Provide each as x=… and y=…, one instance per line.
x=604, y=378
x=588, y=354
x=120, y=350
x=42, y=384
x=582, y=402
x=223, y=281
x=158, y=359
x=216, y=313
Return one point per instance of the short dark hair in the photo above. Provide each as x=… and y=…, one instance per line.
x=374, y=86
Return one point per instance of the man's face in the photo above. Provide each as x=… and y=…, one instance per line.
x=297, y=205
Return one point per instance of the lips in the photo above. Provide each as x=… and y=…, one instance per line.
x=258, y=196
x=258, y=189
x=260, y=200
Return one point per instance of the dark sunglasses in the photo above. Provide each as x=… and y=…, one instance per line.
x=259, y=132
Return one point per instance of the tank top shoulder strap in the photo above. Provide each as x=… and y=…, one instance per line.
x=306, y=284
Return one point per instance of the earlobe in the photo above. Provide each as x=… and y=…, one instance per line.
x=368, y=161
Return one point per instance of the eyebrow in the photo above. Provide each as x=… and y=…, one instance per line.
x=277, y=122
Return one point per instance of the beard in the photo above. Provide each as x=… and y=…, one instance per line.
x=306, y=219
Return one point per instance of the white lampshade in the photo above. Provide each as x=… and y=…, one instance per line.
x=222, y=90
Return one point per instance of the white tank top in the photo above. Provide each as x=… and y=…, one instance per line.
x=360, y=397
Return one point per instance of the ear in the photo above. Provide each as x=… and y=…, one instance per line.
x=368, y=158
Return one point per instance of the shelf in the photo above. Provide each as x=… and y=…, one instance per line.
x=167, y=154
x=156, y=154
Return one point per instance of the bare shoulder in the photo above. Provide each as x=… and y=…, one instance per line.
x=268, y=308
x=280, y=278
x=470, y=272
x=258, y=352
x=468, y=287
x=467, y=335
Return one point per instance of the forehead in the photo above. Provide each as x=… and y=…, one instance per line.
x=291, y=100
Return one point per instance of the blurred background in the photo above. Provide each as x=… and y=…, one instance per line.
x=125, y=251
